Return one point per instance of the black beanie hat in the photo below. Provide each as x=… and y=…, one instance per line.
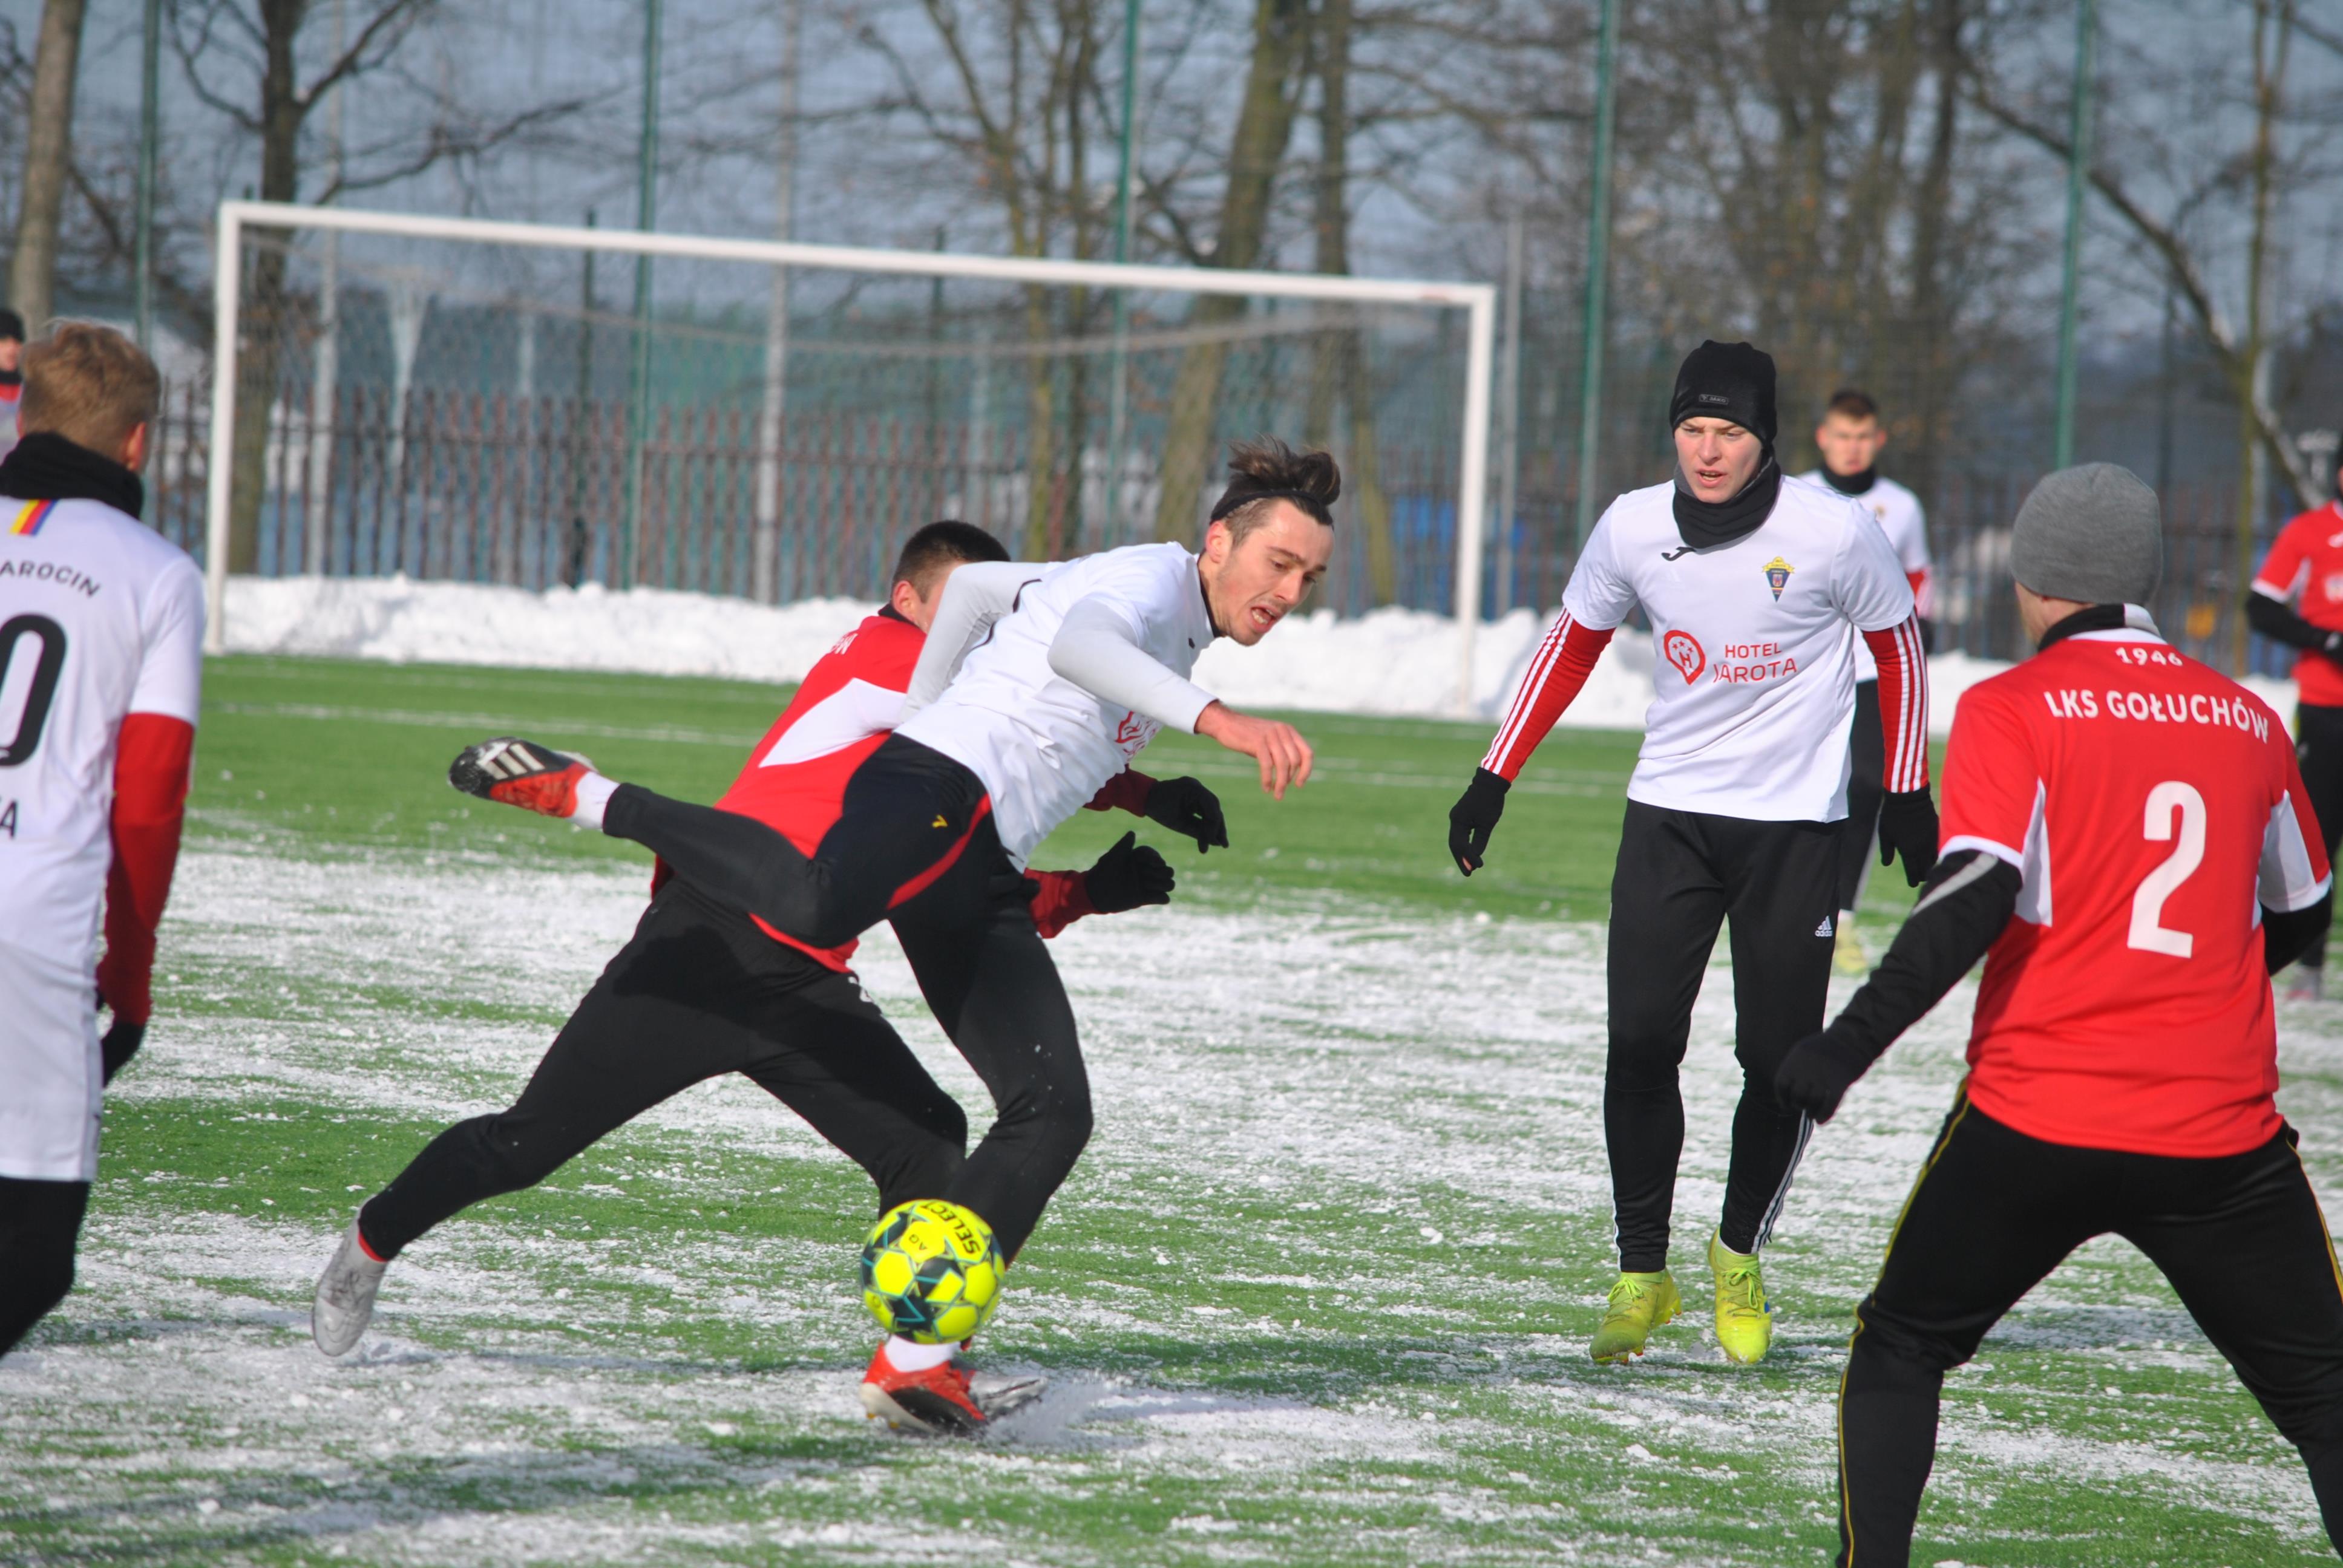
x=1727, y=381
x=12, y=326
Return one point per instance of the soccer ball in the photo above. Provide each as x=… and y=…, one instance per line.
x=932, y=1271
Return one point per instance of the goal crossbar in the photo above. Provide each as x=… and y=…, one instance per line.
x=1477, y=300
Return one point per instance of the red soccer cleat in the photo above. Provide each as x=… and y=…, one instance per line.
x=520, y=773
x=943, y=1401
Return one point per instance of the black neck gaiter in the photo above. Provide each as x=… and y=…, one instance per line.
x=2096, y=618
x=1852, y=483
x=1705, y=524
x=48, y=467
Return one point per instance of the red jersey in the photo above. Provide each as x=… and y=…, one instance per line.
x=2305, y=566
x=2152, y=808
x=795, y=780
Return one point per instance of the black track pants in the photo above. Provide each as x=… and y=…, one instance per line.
x=2319, y=747
x=1680, y=875
x=915, y=843
x=1995, y=1211
x=40, y=1224
x=1865, y=788
x=696, y=993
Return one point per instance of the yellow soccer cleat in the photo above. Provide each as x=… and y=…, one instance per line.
x=1639, y=1303
x=1745, y=1324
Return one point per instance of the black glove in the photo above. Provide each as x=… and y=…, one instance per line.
x=120, y=1044
x=1131, y=874
x=1907, y=827
x=1187, y=807
x=1928, y=635
x=1473, y=819
x=1817, y=1073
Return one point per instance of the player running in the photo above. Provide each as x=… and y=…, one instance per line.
x=1850, y=438
x=101, y=660
x=1063, y=672
x=698, y=992
x=1757, y=591
x=2128, y=845
x=2296, y=598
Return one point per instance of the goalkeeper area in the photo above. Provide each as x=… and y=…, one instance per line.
x=1319, y=1293
x=540, y=407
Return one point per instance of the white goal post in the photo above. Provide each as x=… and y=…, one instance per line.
x=1476, y=300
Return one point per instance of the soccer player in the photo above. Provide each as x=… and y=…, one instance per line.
x=2296, y=598
x=101, y=658
x=2127, y=846
x=1036, y=686
x=702, y=991
x=1757, y=591
x=1850, y=437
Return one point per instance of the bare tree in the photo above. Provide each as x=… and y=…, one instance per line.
x=243, y=59
x=48, y=156
x=1338, y=371
x=1264, y=124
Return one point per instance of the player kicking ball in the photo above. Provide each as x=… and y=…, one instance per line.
x=2128, y=847
x=702, y=991
x=101, y=659
x=1063, y=673
x=1757, y=591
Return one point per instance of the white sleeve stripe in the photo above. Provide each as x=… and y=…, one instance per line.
x=1955, y=882
x=1917, y=715
x=1525, y=699
x=1999, y=851
x=2271, y=590
x=2285, y=883
x=1907, y=748
x=855, y=711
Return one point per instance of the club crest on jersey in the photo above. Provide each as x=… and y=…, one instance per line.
x=1777, y=575
x=1683, y=649
x=2333, y=584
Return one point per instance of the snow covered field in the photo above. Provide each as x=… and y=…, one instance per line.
x=1318, y=1292
x=1392, y=661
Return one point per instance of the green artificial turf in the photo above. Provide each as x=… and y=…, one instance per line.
x=1318, y=1292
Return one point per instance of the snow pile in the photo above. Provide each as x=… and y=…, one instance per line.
x=1389, y=661
x=648, y=630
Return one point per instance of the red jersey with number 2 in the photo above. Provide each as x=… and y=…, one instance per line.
x=2152, y=807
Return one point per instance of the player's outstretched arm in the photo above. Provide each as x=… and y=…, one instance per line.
x=975, y=596
x=1283, y=755
x=2277, y=620
x=1970, y=899
x=1907, y=815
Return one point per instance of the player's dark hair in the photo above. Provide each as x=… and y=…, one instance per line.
x=939, y=547
x=1852, y=403
x=1266, y=469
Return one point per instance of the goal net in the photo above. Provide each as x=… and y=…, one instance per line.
x=539, y=406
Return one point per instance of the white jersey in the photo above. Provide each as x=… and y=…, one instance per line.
x=1905, y=524
x=100, y=616
x=1754, y=685
x=1043, y=745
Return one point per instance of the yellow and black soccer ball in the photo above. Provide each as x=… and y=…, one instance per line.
x=932, y=1271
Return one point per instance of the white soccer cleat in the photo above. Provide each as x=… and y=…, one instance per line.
x=345, y=1302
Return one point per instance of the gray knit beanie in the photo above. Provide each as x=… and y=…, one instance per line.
x=2092, y=533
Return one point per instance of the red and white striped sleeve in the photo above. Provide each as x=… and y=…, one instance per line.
x=1563, y=661
x=1903, y=702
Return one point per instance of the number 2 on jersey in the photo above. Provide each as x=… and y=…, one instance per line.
x=2169, y=800
x=39, y=691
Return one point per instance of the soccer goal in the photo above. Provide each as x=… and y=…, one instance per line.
x=540, y=405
